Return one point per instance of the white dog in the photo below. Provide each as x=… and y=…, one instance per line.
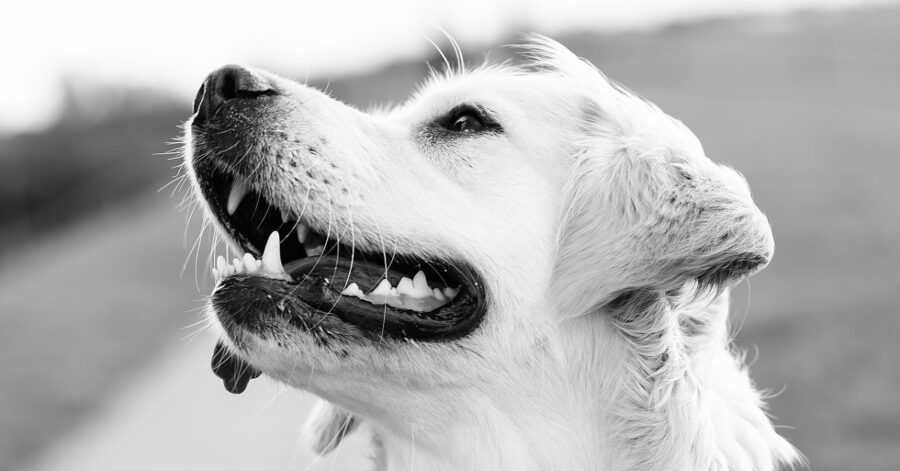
x=521, y=268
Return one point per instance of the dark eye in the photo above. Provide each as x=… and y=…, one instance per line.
x=468, y=119
x=467, y=123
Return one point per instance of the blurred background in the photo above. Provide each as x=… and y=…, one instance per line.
x=102, y=365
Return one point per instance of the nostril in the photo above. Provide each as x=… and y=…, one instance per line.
x=228, y=83
x=237, y=82
x=228, y=87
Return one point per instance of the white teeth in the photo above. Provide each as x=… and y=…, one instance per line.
x=271, y=258
x=250, y=263
x=222, y=269
x=420, y=286
x=238, y=190
x=270, y=265
x=302, y=230
x=383, y=288
x=285, y=215
x=413, y=294
x=405, y=286
x=313, y=244
x=353, y=290
x=415, y=288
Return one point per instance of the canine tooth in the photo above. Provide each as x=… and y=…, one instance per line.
x=353, y=290
x=271, y=258
x=285, y=215
x=250, y=263
x=238, y=190
x=405, y=286
x=215, y=274
x=438, y=295
x=302, y=231
x=383, y=288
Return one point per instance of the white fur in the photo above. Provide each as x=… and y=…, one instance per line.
x=608, y=242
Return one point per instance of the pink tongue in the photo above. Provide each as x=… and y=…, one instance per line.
x=235, y=372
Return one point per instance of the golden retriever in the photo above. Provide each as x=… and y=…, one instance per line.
x=523, y=267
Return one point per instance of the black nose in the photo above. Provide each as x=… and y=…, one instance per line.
x=231, y=82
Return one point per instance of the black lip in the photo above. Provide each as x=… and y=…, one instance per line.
x=249, y=303
x=453, y=320
x=313, y=277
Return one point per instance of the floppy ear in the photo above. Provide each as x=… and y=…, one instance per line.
x=327, y=426
x=646, y=210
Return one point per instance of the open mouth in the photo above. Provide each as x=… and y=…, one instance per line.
x=398, y=295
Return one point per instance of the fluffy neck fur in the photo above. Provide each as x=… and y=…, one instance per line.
x=680, y=400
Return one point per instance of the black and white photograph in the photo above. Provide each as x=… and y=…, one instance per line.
x=450, y=236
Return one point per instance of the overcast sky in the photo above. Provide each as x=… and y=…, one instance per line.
x=172, y=44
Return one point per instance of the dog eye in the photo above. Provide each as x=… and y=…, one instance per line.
x=467, y=123
x=468, y=119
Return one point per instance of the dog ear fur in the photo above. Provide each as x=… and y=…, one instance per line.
x=643, y=207
x=648, y=211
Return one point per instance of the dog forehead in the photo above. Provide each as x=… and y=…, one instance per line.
x=508, y=91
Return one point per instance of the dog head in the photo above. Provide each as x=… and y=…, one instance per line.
x=414, y=263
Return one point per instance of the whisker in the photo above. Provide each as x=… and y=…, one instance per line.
x=449, y=67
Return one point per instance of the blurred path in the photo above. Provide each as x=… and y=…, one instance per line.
x=176, y=416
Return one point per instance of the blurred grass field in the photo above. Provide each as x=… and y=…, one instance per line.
x=806, y=107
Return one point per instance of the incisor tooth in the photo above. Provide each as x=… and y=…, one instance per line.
x=271, y=258
x=238, y=265
x=250, y=263
x=238, y=190
x=221, y=263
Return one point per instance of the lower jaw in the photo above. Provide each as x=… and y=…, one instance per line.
x=259, y=305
